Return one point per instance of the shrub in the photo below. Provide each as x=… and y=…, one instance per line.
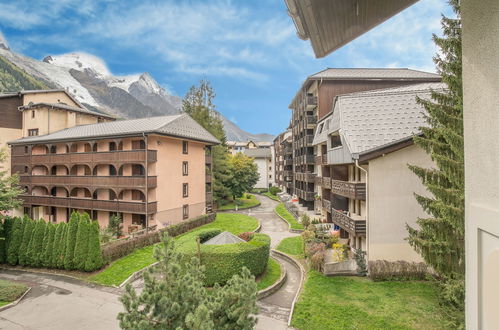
x=48, y=246
x=15, y=241
x=246, y=236
x=36, y=243
x=60, y=249
x=115, y=225
x=313, y=248
x=274, y=190
x=221, y=262
x=360, y=260
x=307, y=235
x=23, y=249
x=305, y=220
x=81, y=246
x=6, y=230
x=248, y=196
x=71, y=241
x=317, y=260
x=208, y=234
x=382, y=270
x=94, y=256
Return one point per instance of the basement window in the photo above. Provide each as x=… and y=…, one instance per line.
x=33, y=132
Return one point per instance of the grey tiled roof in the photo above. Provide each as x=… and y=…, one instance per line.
x=182, y=126
x=373, y=73
x=63, y=106
x=224, y=238
x=373, y=119
x=258, y=152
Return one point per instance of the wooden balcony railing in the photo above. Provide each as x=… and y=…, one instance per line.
x=209, y=196
x=90, y=204
x=208, y=177
x=326, y=204
x=306, y=195
x=311, y=101
x=355, y=190
x=326, y=182
x=288, y=162
x=208, y=159
x=306, y=177
x=353, y=226
x=89, y=181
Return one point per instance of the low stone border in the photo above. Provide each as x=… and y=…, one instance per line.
x=276, y=286
x=296, y=231
x=136, y=275
x=15, y=302
x=302, y=279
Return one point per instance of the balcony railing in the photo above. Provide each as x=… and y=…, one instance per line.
x=208, y=177
x=89, y=181
x=306, y=195
x=326, y=182
x=209, y=196
x=311, y=101
x=288, y=162
x=326, y=204
x=208, y=159
x=306, y=177
x=355, y=190
x=310, y=120
x=353, y=226
x=90, y=204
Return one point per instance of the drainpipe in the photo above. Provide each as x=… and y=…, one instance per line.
x=367, y=207
x=146, y=179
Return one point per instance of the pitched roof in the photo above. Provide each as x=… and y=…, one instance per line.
x=258, y=152
x=224, y=238
x=373, y=73
x=182, y=126
x=371, y=120
x=63, y=106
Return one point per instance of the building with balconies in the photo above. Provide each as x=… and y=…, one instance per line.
x=283, y=146
x=365, y=186
x=151, y=171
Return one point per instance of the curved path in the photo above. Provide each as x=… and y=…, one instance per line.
x=275, y=309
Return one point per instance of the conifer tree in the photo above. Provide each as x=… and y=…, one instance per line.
x=174, y=297
x=36, y=243
x=71, y=240
x=81, y=246
x=94, y=257
x=56, y=251
x=27, y=234
x=60, y=256
x=16, y=238
x=5, y=229
x=198, y=103
x=440, y=237
x=48, y=246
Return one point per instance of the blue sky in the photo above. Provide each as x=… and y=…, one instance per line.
x=247, y=49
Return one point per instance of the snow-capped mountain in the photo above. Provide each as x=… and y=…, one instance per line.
x=91, y=82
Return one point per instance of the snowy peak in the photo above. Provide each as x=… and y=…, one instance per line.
x=80, y=62
x=149, y=83
x=3, y=42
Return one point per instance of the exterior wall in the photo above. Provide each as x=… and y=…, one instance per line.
x=481, y=146
x=263, y=166
x=48, y=97
x=392, y=205
x=10, y=125
x=170, y=179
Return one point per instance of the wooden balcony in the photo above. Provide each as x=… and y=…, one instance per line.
x=288, y=162
x=305, y=177
x=306, y=195
x=90, y=204
x=208, y=159
x=119, y=156
x=326, y=204
x=353, y=226
x=310, y=120
x=326, y=182
x=89, y=181
x=354, y=190
x=208, y=177
x=311, y=101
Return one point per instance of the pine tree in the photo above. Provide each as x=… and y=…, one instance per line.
x=94, y=257
x=440, y=237
x=27, y=234
x=16, y=238
x=71, y=241
x=174, y=297
x=36, y=243
x=198, y=103
x=48, y=246
x=81, y=246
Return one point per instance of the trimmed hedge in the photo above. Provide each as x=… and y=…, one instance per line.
x=117, y=249
x=221, y=262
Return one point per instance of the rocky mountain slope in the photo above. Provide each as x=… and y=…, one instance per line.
x=87, y=77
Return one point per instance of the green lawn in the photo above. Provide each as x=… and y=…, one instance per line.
x=269, y=195
x=281, y=210
x=244, y=203
x=358, y=303
x=271, y=274
x=10, y=291
x=292, y=246
x=121, y=269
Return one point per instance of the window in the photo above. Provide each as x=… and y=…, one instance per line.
x=26, y=149
x=33, y=132
x=185, y=211
x=335, y=141
x=185, y=190
x=185, y=168
x=32, y=113
x=185, y=147
x=320, y=128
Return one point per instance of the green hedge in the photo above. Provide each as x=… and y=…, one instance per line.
x=224, y=261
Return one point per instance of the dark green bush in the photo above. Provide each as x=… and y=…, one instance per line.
x=36, y=243
x=72, y=230
x=209, y=233
x=224, y=261
x=15, y=240
x=81, y=246
x=48, y=246
x=94, y=256
x=274, y=190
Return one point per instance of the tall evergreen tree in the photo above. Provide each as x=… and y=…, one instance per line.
x=27, y=234
x=5, y=229
x=71, y=241
x=61, y=250
x=48, y=246
x=198, y=103
x=58, y=243
x=440, y=237
x=94, y=257
x=36, y=243
x=16, y=238
x=81, y=246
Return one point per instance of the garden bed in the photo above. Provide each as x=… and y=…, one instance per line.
x=292, y=246
x=284, y=214
x=269, y=195
x=243, y=203
x=10, y=291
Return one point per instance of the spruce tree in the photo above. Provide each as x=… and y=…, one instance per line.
x=16, y=238
x=198, y=103
x=27, y=234
x=440, y=237
x=36, y=243
x=94, y=257
x=71, y=241
x=81, y=246
x=48, y=246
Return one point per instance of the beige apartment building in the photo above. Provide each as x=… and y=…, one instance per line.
x=151, y=171
x=283, y=160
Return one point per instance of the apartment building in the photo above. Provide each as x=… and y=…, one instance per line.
x=365, y=186
x=283, y=160
x=151, y=171
x=314, y=100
